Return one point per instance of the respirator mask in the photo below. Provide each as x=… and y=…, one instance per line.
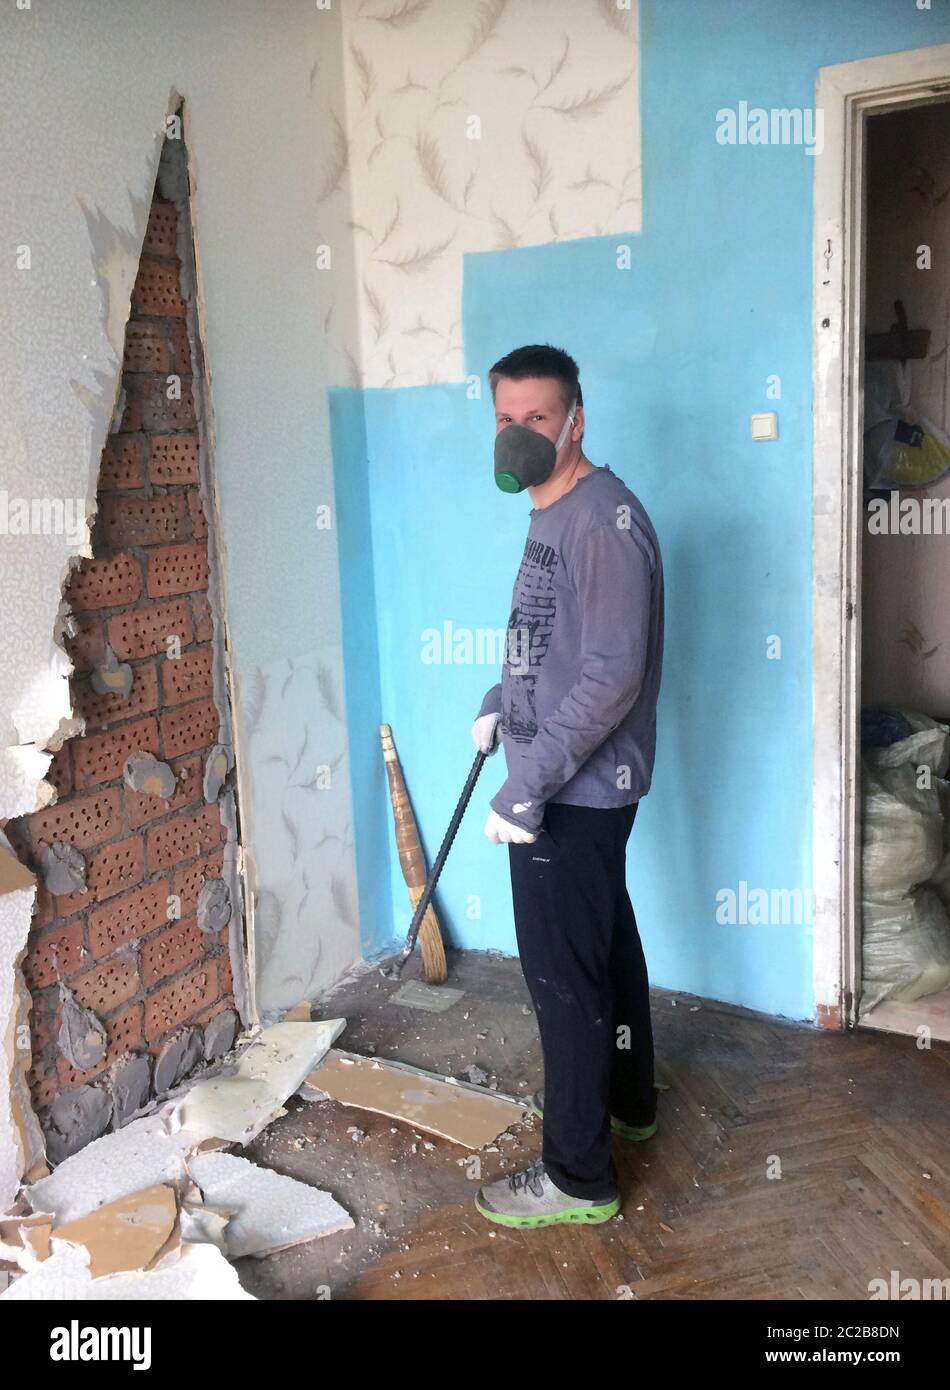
x=525, y=458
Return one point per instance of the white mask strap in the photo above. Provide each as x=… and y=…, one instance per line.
x=566, y=428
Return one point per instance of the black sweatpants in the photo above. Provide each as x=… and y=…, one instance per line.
x=584, y=966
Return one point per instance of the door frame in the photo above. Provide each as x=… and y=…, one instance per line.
x=846, y=94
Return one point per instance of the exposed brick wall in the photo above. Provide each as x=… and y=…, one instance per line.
x=119, y=947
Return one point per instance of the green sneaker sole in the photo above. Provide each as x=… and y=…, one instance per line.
x=617, y=1126
x=585, y=1216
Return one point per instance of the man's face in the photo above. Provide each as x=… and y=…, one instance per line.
x=536, y=403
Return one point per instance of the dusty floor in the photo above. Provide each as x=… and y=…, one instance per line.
x=859, y=1122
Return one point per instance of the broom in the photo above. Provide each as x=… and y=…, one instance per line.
x=412, y=861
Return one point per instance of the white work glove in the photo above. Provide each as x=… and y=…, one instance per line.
x=505, y=832
x=485, y=733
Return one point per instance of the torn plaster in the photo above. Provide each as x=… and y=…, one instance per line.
x=82, y=1036
x=64, y=868
x=79, y=182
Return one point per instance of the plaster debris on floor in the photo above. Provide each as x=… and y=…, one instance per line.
x=154, y=1210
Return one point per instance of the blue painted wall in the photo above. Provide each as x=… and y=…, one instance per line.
x=675, y=354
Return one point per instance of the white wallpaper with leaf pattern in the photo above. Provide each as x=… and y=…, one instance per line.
x=551, y=88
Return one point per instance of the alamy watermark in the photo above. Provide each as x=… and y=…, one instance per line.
x=754, y=125
x=43, y=516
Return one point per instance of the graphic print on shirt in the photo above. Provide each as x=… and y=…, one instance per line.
x=527, y=638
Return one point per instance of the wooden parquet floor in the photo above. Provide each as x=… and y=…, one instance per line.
x=789, y=1164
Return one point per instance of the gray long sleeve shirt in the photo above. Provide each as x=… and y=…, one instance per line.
x=583, y=655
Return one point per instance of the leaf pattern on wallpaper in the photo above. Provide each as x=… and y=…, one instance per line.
x=406, y=13
x=413, y=262
x=489, y=13
x=338, y=162
x=539, y=163
x=364, y=71
x=377, y=309
x=327, y=691
x=432, y=166
x=590, y=104
x=554, y=159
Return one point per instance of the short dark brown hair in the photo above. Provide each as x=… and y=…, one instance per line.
x=541, y=360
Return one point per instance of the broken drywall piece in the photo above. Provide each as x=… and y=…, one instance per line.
x=465, y=1114
x=219, y=764
x=126, y=1234
x=64, y=868
x=200, y=1273
x=214, y=905
x=142, y=1154
x=300, y=1013
x=415, y=994
x=239, y=1106
x=271, y=1212
x=13, y=874
x=30, y=1234
x=143, y=772
x=82, y=1035
x=112, y=676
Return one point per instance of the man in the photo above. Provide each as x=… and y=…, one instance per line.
x=576, y=709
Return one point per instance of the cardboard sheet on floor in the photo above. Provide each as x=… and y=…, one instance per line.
x=271, y=1211
x=467, y=1115
x=200, y=1273
x=237, y=1107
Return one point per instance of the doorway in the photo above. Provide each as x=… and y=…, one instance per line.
x=855, y=655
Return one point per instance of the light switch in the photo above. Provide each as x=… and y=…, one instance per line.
x=765, y=426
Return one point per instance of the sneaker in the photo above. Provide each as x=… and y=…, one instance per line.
x=617, y=1126
x=529, y=1198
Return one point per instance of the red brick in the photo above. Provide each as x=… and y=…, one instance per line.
x=104, y=583
x=161, y=232
x=116, y=867
x=145, y=631
x=123, y=462
x=107, y=985
x=157, y=289
x=98, y=710
x=184, y=837
x=99, y=757
x=177, y=569
x=175, y=1004
x=82, y=820
x=43, y=1090
x=182, y=347
x=224, y=974
x=171, y=950
x=140, y=807
x=188, y=677
x=173, y=459
x=189, y=728
x=149, y=407
x=59, y=774
x=199, y=524
x=144, y=520
x=147, y=347
x=87, y=647
x=134, y=915
x=187, y=882
x=62, y=948
x=204, y=620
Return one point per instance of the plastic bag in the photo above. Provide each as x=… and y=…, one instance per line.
x=906, y=928
x=906, y=450
x=901, y=447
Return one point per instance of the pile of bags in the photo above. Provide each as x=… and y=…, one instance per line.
x=905, y=885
